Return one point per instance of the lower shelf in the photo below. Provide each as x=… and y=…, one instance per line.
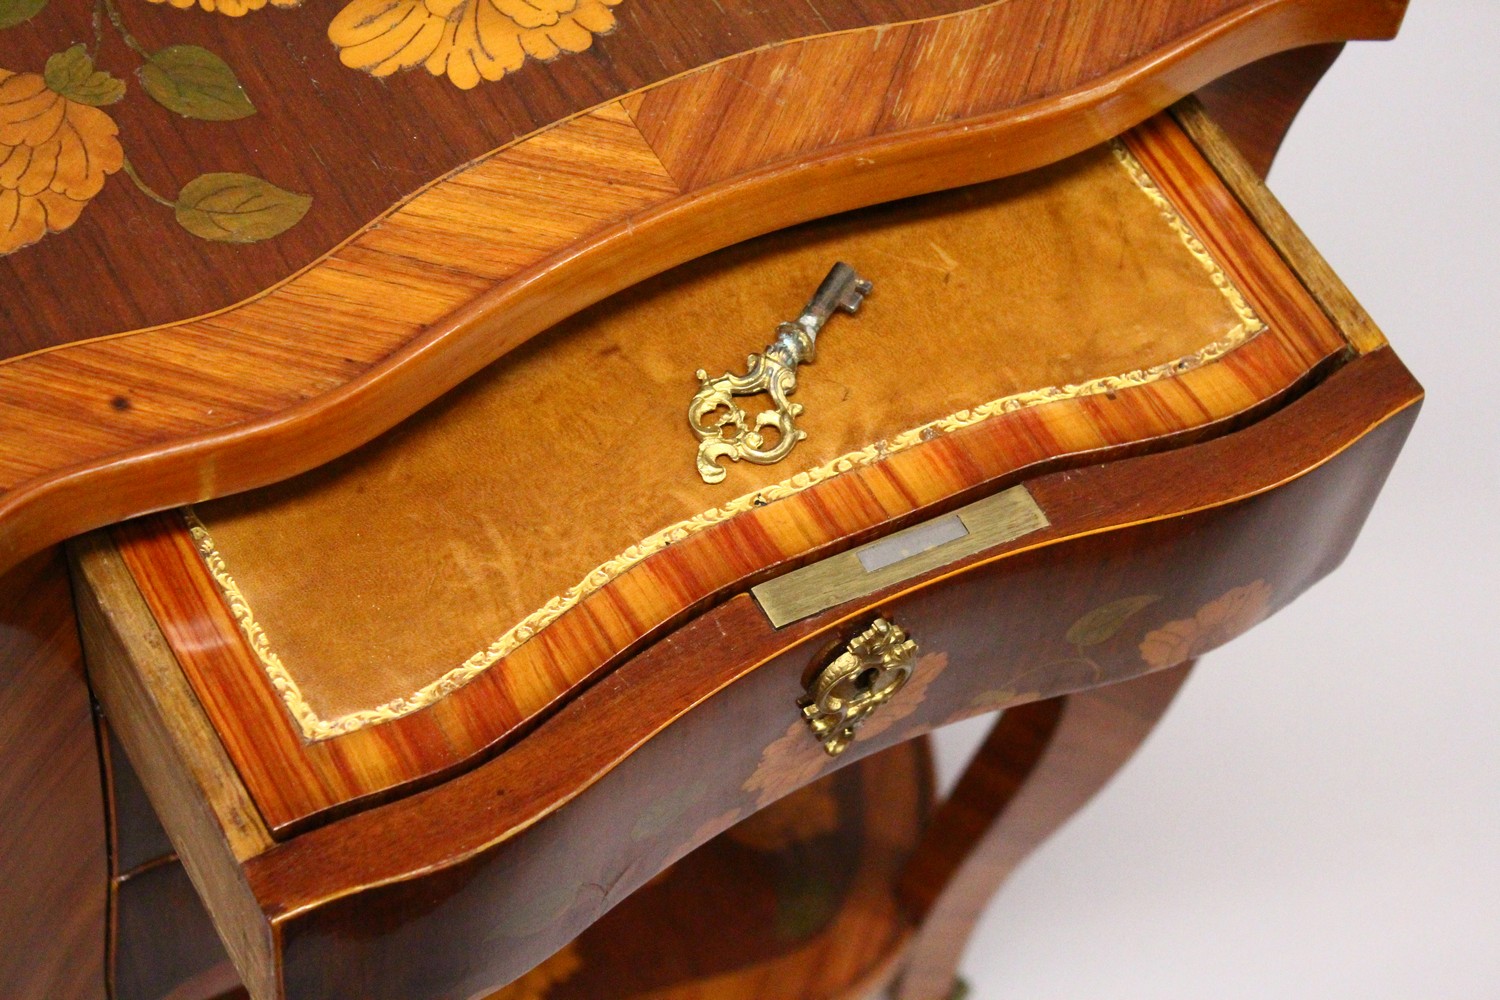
x=795, y=903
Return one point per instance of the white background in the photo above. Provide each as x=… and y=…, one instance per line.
x=1319, y=813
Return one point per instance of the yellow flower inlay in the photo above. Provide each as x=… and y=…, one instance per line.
x=54, y=156
x=466, y=40
x=229, y=8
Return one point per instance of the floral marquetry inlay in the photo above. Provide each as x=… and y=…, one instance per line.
x=1218, y=621
x=55, y=152
x=58, y=145
x=1120, y=621
x=795, y=759
x=232, y=8
x=465, y=40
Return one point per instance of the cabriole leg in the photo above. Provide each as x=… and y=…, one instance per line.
x=1039, y=765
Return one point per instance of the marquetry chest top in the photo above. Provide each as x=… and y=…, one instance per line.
x=240, y=237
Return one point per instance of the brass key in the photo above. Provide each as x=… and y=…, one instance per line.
x=775, y=373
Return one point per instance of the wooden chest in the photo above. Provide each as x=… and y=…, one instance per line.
x=420, y=694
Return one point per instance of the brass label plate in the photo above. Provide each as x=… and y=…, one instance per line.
x=900, y=556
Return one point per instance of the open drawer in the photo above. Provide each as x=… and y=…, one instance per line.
x=415, y=720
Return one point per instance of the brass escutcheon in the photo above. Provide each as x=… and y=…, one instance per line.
x=875, y=665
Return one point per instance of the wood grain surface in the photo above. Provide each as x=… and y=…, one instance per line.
x=364, y=335
x=191, y=784
x=1332, y=295
x=355, y=143
x=54, y=867
x=296, y=781
x=359, y=145
x=93, y=432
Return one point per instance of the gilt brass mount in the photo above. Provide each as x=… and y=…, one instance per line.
x=773, y=372
x=875, y=665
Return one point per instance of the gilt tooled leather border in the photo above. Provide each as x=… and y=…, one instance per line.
x=314, y=727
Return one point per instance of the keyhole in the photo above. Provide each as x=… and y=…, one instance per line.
x=866, y=678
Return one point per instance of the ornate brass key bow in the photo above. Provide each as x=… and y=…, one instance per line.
x=775, y=373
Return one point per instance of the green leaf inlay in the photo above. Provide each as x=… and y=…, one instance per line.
x=71, y=73
x=238, y=208
x=1101, y=624
x=195, y=83
x=13, y=12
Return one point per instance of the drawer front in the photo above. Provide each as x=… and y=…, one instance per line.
x=1145, y=562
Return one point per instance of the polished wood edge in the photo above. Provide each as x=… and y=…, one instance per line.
x=1325, y=286
x=280, y=772
x=174, y=468
x=121, y=624
x=369, y=849
x=192, y=784
x=1041, y=763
